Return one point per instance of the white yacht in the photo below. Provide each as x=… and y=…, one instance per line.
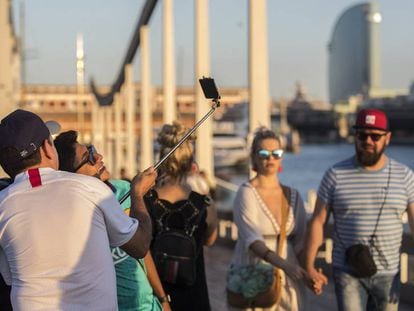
x=229, y=150
x=229, y=144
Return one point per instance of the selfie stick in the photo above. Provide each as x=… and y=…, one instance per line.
x=216, y=104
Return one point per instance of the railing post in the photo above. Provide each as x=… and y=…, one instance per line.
x=404, y=268
x=328, y=250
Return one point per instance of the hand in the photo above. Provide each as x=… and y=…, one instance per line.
x=316, y=280
x=166, y=306
x=144, y=181
x=294, y=271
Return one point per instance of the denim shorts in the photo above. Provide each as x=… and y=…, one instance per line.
x=379, y=292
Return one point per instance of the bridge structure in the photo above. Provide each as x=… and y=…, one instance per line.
x=114, y=112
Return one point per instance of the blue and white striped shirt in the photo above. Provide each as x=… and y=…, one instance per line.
x=356, y=195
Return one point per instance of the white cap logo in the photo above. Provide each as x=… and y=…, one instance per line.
x=370, y=119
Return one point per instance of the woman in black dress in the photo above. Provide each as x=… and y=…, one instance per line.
x=173, y=194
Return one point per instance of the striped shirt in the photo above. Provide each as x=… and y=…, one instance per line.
x=356, y=196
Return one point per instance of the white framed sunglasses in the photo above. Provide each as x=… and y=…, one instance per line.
x=265, y=154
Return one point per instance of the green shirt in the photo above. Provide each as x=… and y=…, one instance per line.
x=133, y=289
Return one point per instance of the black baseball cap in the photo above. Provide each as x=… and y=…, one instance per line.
x=23, y=130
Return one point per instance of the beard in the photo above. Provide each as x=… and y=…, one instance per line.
x=366, y=158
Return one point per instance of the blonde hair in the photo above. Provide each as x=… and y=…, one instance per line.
x=178, y=164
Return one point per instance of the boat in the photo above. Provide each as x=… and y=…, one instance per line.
x=229, y=150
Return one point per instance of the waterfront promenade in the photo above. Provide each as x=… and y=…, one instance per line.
x=217, y=259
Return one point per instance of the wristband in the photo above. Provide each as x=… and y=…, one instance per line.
x=165, y=298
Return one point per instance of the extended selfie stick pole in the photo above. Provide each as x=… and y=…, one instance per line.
x=190, y=131
x=216, y=104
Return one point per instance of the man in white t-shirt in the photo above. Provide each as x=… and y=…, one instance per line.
x=56, y=227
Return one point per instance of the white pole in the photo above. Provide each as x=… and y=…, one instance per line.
x=95, y=126
x=204, y=149
x=147, y=158
x=99, y=132
x=259, y=105
x=131, y=146
x=80, y=78
x=169, y=106
x=108, y=147
x=119, y=137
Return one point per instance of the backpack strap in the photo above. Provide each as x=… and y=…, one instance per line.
x=203, y=201
x=163, y=214
x=157, y=210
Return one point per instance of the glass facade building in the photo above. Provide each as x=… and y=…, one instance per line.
x=354, y=62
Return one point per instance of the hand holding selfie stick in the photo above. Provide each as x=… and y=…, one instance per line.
x=210, y=91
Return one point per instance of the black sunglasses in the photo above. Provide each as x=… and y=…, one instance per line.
x=362, y=136
x=91, y=158
x=265, y=154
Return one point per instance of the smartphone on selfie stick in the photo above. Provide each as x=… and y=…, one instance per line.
x=210, y=92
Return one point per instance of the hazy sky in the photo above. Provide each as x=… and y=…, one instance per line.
x=298, y=32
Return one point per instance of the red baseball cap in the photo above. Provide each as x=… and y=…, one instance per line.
x=371, y=119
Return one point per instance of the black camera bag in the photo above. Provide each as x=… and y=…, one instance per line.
x=360, y=259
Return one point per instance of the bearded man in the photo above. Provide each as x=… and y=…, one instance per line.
x=367, y=195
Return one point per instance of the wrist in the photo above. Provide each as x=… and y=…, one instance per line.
x=264, y=257
x=310, y=268
x=165, y=299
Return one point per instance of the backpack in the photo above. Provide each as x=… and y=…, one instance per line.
x=174, y=249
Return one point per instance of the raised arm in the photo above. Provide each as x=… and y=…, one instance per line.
x=139, y=244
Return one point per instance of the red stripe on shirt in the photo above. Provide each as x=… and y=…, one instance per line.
x=34, y=177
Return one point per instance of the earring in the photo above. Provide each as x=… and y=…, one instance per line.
x=280, y=169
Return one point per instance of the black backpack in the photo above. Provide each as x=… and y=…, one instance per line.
x=174, y=248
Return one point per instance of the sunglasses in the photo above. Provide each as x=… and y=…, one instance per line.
x=91, y=158
x=265, y=154
x=374, y=136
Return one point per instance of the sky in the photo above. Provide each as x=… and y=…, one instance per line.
x=298, y=34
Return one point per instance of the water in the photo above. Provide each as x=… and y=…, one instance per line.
x=305, y=169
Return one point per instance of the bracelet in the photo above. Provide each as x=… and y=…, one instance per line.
x=265, y=255
x=165, y=298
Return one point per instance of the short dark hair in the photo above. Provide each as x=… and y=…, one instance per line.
x=12, y=166
x=65, y=146
x=260, y=134
x=5, y=182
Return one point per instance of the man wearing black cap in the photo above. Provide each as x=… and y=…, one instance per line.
x=367, y=195
x=55, y=227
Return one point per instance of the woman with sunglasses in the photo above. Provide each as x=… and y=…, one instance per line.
x=262, y=208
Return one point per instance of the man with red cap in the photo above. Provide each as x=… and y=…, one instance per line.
x=56, y=227
x=367, y=195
